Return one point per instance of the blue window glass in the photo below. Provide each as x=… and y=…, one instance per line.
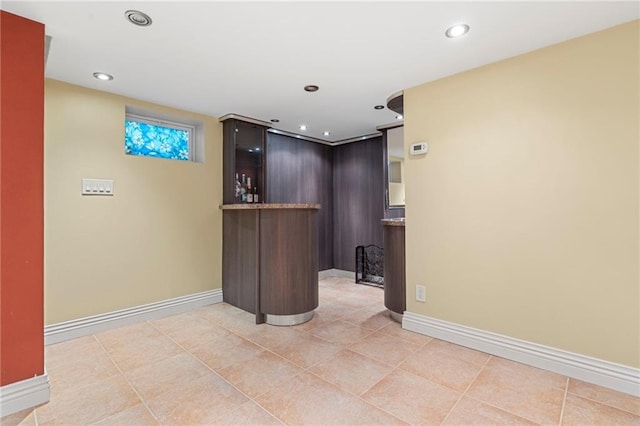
x=152, y=140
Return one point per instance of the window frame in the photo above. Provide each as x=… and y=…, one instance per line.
x=154, y=121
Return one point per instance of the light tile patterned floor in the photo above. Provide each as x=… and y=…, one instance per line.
x=349, y=365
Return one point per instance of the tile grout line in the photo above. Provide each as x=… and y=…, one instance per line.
x=127, y=380
x=359, y=397
x=308, y=369
x=462, y=395
x=501, y=408
x=603, y=403
x=387, y=375
x=564, y=401
x=249, y=398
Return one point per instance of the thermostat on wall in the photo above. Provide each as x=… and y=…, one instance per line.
x=418, y=148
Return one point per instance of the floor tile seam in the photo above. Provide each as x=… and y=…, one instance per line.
x=302, y=370
x=459, y=358
x=35, y=416
x=464, y=393
x=406, y=340
x=520, y=416
x=564, y=401
x=359, y=397
x=124, y=376
x=206, y=366
x=97, y=381
x=249, y=398
x=493, y=405
x=255, y=402
x=329, y=341
x=518, y=376
x=375, y=330
x=602, y=403
x=381, y=378
x=399, y=363
x=507, y=410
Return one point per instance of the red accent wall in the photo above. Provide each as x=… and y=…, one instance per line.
x=21, y=198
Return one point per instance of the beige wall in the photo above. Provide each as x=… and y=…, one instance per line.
x=523, y=218
x=158, y=237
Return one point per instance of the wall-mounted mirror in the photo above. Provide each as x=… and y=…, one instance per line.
x=395, y=167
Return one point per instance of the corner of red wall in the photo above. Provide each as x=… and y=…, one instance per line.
x=21, y=198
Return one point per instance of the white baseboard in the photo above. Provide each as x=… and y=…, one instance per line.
x=62, y=331
x=339, y=273
x=603, y=373
x=24, y=394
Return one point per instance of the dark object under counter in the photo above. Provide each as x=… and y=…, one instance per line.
x=270, y=258
x=395, y=298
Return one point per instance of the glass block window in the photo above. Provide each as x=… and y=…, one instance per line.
x=151, y=137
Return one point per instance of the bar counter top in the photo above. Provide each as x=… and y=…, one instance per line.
x=263, y=206
x=399, y=221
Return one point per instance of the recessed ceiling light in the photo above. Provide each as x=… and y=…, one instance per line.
x=399, y=117
x=457, y=30
x=138, y=18
x=311, y=88
x=102, y=76
x=379, y=107
x=250, y=150
x=275, y=120
x=257, y=149
x=326, y=133
x=303, y=127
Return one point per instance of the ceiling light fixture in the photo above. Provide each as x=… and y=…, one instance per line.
x=303, y=127
x=378, y=107
x=399, y=117
x=138, y=18
x=457, y=30
x=103, y=76
x=275, y=120
x=311, y=88
x=326, y=133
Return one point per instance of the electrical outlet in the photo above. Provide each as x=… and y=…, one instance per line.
x=420, y=293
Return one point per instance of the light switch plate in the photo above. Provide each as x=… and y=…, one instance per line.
x=97, y=187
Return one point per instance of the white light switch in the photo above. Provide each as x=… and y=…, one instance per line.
x=97, y=187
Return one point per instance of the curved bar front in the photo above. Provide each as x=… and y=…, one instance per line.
x=394, y=269
x=270, y=260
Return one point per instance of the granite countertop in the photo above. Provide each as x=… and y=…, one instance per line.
x=398, y=221
x=262, y=206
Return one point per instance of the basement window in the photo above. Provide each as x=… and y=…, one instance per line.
x=154, y=135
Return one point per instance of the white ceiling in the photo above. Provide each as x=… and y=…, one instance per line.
x=253, y=58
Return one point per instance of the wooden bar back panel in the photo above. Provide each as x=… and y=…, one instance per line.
x=240, y=258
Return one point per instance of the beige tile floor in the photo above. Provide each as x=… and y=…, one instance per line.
x=349, y=365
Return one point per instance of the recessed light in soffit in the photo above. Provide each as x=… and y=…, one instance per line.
x=457, y=30
x=138, y=18
x=311, y=88
x=102, y=76
x=378, y=107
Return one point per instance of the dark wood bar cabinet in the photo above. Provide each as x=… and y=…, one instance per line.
x=395, y=298
x=270, y=260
